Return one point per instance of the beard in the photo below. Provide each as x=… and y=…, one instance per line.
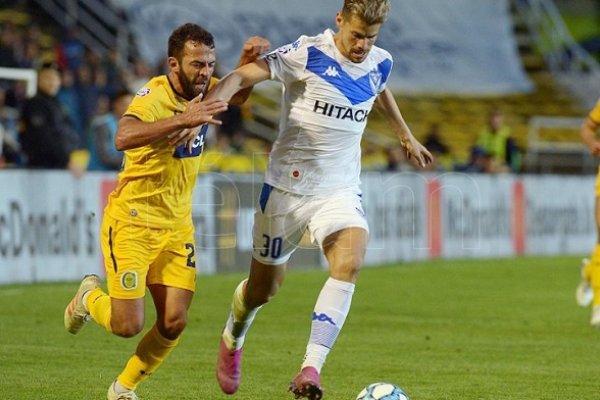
x=188, y=87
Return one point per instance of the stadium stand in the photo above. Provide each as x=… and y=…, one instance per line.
x=461, y=118
x=36, y=25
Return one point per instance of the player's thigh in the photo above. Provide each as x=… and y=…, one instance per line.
x=340, y=228
x=128, y=251
x=278, y=226
x=339, y=210
x=175, y=265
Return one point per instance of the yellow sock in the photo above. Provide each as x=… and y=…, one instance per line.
x=586, y=272
x=593, y=269
x=150, y=353
x=99, y=306
x=238, y=307
x=240, y=319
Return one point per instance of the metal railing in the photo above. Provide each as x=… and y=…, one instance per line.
x=99, y=27
x=569, y=155
x=570, y=63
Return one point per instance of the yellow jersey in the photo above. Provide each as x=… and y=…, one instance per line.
x=157, y=180
x=595, y=113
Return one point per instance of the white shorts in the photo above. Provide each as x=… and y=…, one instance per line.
x=281, y=219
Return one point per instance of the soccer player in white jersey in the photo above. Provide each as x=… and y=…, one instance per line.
x=331, y=81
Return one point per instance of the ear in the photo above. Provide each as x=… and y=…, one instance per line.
x=173, y=64
x=339, y=19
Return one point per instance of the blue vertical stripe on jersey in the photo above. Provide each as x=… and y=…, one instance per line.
x=264, y=196
x=356, y=90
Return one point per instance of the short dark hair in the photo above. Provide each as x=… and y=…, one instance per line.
x=185, y=33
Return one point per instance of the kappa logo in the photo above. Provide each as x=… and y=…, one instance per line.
x=323, y=318
x=332, y=71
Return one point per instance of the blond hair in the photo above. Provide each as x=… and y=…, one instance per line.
x=370, y=11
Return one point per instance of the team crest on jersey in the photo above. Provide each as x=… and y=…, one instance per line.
x=143, y=92
x=375, y=79
x=129, y=280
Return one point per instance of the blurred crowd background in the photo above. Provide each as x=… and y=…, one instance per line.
x=82, y=90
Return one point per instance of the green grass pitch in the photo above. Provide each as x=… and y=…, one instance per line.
x=456, y=330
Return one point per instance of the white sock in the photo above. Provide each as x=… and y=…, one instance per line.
x=331, y=309
x=240, y=319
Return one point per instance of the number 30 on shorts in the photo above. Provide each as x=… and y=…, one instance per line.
x=271, y=247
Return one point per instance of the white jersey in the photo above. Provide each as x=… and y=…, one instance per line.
x=325, y=103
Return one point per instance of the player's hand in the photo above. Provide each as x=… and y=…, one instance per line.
x=200, y=112
x=196, y=114
x=184, y=136
x=254, y=47
x=416, y=151
x=595, y=148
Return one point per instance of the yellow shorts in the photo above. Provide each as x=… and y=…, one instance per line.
x=137, y=256
x=598, y=183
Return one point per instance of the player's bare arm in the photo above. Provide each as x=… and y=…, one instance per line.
x=241, y=78
x=133, y=133
x=588, y=135
x=253, y=48
x=386, y=104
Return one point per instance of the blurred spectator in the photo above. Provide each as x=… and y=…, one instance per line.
x=433, y=142
x=70, y=51
x=69, y=98
x=103, y=105
x=9, y=116
x=495, y=140
x=88, y=93
x=31, y=57
x=134, y=79
x=33, y=33
x=111, y=65
x=9, y=144
x=442, y=159
x=478, y=162
x=103, y=154
x=48, y=137
x=395, y=158
x=16, y=94
x=8, y=43
x=231, y=120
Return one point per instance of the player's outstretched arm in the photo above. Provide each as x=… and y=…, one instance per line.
x=386, y=104
x=588, y=135
x=133, y=133
x=241, y=78
x=253, y=48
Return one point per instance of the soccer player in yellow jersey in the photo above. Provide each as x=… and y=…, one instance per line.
x=588, y=290
x=147, y=235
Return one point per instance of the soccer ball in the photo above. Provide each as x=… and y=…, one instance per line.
x=382, y=391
